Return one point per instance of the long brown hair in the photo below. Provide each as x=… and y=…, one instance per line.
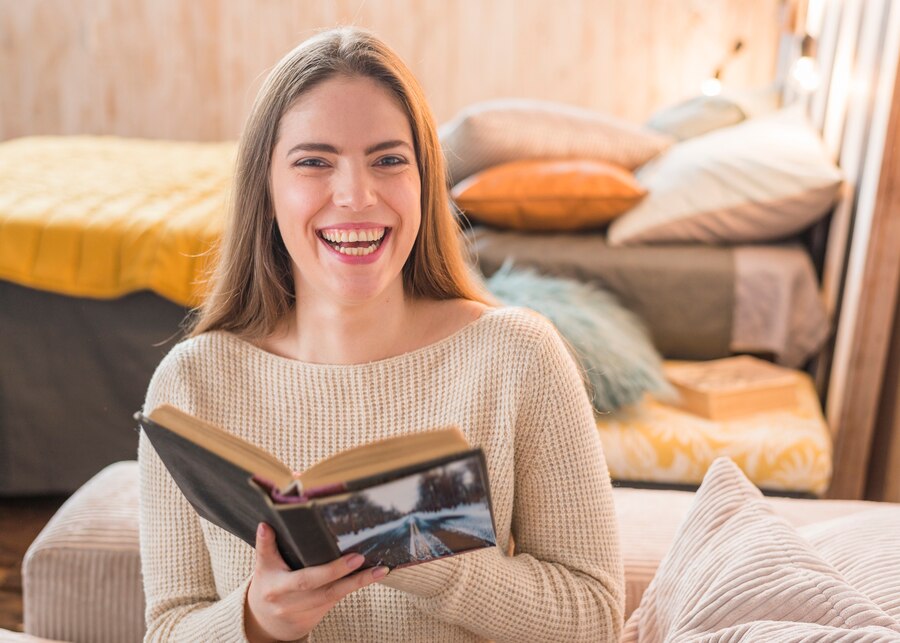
x=252, y=285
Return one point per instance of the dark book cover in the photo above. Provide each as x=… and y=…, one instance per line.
x=402, y=517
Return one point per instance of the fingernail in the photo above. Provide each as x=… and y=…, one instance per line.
x=380, y=572
x=261, y=531
x=355, y=560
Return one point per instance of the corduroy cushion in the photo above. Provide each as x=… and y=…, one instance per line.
x=548, y=195
x=764, y=179
x=738, y=572
x=493, y=132
x=865, y=549
x=82, y=575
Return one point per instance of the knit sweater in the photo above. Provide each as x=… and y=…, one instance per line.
x=505, y=379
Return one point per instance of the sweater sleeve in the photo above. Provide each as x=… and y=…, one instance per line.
x=565, y=581
x=182, y=601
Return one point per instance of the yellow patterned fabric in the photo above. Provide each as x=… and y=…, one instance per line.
x=103, y=216
x=785, y=450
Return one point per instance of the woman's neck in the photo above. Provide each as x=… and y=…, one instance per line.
x=332, y=333
x=361, y=334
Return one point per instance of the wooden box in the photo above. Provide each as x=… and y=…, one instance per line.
x=727, y=388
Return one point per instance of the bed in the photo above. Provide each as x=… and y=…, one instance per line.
x=100, y=267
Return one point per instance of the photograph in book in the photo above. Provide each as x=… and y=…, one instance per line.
x=439, y=512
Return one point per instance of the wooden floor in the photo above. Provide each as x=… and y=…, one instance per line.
x=20, y=521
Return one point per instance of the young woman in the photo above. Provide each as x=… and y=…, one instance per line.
x=342, y=312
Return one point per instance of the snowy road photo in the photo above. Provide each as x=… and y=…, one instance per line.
x=414, y=519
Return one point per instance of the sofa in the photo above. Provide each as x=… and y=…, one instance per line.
x=81, y=576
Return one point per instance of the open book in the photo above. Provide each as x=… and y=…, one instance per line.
x=400, y=501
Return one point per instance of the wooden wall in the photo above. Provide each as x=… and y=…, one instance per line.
x=188, y=69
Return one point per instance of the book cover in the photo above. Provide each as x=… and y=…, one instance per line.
x=404, y=512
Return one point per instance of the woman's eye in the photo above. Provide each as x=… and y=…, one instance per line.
x=391, y=161
x=310, y=163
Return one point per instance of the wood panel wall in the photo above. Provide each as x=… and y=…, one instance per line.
x=188, y=69
x=884, y=476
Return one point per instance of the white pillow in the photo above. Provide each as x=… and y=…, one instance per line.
x=764, y=179
x=493, y=132
x=738, y=572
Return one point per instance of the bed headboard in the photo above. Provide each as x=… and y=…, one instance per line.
x=857, y=107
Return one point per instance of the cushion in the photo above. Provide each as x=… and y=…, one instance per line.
x=609, y=341
x=764, y=179
x=696, y=116
x=493, y=132
x=781, y=450
x=649, y=518
x=865, y=549
x=82, y=575
x=738, y=572
x=548, y=195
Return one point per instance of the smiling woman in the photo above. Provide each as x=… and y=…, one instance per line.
x=364, y=178
x=341, y=312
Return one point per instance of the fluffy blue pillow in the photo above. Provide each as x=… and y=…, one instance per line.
x=610, y=341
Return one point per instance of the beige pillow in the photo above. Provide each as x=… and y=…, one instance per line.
x=548, y=195
x=696, y=116
x=494, y=132
x=738, y=572
x=865, y=549
x=766, y=178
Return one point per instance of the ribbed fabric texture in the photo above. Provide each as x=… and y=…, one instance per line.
x=17, y=637
x=493, y=132
x=865, y=549
x=81, y=575
x=507, y=381
x=649, y=520
x=737, y=572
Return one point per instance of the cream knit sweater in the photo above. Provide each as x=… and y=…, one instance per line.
x=507, y=381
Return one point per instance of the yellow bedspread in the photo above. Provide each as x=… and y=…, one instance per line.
x=103, y=216
x=786, y=450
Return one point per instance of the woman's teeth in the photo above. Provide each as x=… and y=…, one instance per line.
x=358, y=252
x=347, y=236
x=354, y=242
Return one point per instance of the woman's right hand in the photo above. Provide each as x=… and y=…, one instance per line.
x=284, y=605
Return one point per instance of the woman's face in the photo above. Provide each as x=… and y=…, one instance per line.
x=346, y=190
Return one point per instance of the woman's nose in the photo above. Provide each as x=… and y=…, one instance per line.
x=354, y=189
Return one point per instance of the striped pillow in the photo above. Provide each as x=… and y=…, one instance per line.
x=865, y=549
x=738, y=572
x=493, y=132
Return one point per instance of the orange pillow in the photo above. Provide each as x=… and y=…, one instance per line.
x=548, y=195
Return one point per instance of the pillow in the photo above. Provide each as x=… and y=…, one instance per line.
x=865, y=549
x=764, y=179
x=494, y=132
x=553, y=195
x=696, y=116
x=609, y=341
x=738, y=572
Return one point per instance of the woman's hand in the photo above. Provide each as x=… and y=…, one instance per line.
x=283, y=605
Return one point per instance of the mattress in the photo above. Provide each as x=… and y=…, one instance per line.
x=699, y=302
x=72, y=373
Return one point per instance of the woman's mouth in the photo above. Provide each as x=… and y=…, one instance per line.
x=354, y=242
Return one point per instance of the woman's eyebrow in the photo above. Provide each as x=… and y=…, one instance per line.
x=331, y=149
